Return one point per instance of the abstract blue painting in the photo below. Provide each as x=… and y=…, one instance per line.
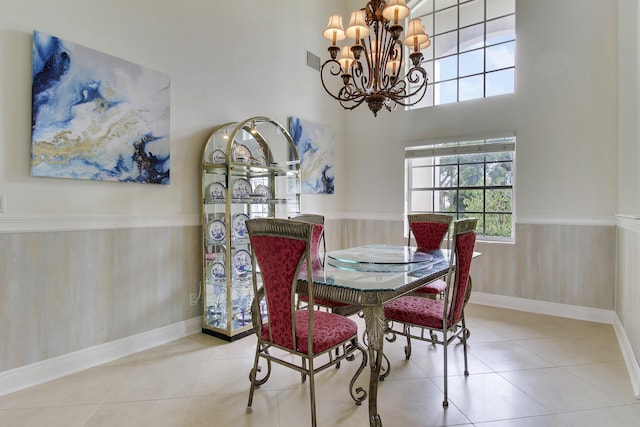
x=97, y=117
x=314, y=143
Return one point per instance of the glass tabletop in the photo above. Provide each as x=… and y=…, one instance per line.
x=363, y=274
x=384, y=258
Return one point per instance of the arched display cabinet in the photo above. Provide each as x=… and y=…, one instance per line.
x=249, y=169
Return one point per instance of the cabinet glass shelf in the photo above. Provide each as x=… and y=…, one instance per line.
x=255, y=159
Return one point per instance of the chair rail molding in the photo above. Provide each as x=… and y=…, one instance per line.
x=30, y=223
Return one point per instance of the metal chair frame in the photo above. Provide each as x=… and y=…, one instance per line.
x=296, y=230
x=449, y=332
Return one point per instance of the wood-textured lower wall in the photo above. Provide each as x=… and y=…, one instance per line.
x=559, y=263
x=628, y=279
x=61, y=292
x=65, y=291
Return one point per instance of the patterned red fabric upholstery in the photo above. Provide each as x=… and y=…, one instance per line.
x=429, y=312
x=464, y=250
x=316, y=236
x=421, y=311
x=278, y=259
x=318, y=230
x=428, y=235
x=328, y=330
x=433, y=288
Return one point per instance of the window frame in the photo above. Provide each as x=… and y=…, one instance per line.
x=463, y=146
x=456, y=53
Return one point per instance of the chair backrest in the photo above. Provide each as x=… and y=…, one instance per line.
x=318, y=231
x=464, y=239
x=280, y=246
x=428, y=229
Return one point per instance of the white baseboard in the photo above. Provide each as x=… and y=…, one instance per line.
x=543, y=307
x=571, y=312
x=629, y=358
x=50, y=369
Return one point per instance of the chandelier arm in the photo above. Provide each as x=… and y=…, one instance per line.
x=415, y=75
x=360, y=80
x=333, y=67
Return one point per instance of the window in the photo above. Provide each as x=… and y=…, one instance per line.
x=471, y=178
x=472, y=52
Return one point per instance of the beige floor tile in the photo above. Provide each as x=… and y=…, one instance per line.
x=91, y=386
x=487, y=397
x=526, y=370
x=60, y=416
x=430, y=360
x=555, y=420
x=231, y=410
x=186, y=350
x=156, y=413
x=229, y=376
x=157, y=381
x=416, y=402
x=564, y=351
x=559, y=390
x=333, y=408
x=503, y=356
x=622, y=416
x=611, y=377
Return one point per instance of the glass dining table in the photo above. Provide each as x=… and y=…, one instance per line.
x=370, y=276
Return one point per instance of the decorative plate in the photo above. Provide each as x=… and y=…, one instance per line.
x=238, y=226
x=259, y=161
x=218, y=270
x=217, y=230
x=262, y=191
x=216, y=191
x=241, y=188
x=241, y=154
x=242, y=262
x=218, y=156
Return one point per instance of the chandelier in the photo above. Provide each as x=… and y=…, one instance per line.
x=372, y=68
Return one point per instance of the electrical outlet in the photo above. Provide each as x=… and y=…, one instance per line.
x=194, y=299
x=3, y=203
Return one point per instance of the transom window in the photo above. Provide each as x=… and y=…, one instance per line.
x=471, y=178
x=472, y=52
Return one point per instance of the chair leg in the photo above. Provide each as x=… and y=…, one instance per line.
x=407, y=349
x=312, y=393
x=304, y=366
x=464, y=345
x=445, y=402
x=252, y=377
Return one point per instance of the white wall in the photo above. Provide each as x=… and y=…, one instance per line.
x=628, y=113
x=564, y=112
x=227, y=60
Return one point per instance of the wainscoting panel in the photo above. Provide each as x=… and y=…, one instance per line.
x=557, y=263
x=628, y=289
x=64, y=291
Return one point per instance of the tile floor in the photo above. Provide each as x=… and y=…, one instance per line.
x=525, y=370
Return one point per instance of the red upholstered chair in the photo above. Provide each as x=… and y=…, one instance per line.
x=317, y=255
x=280, y=248
x=415, y=314
x=429, y=231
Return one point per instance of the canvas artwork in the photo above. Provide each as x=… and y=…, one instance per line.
x=97, y=117
x=314, y=143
